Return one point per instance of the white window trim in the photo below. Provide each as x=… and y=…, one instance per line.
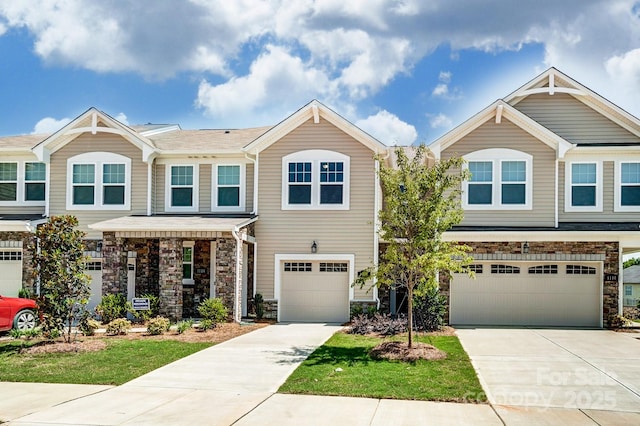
x=191, y=244
x=21, y=181
x=568, y=185
x=214, y=191
x=496, y=156
x=315, y=157
x=167, y=190
x=98, y=159
x=617, y=204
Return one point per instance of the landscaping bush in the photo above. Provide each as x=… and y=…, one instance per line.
x=429, y=310
x=146, y=315
x=158, y=325
x=88, y=326
x=183, y=326
x=382, y=324
x=259, y=301
x=118, y=326
x=112, y=306
x=206, y=324
x=618, y=321
x=213, y=310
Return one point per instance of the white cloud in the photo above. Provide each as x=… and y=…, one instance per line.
x=625, y=67
x=388, y=129
x=50, y=125
x=443, y=91
x=121, y=117
x=439, y=121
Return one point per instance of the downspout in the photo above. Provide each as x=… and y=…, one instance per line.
x=149, y=186
x=237, y=315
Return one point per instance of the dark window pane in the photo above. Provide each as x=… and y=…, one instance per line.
x=331, y=194
x=299, y=194
x=83, y=195
x=8, y=191
x=583, y=196
x=181, y=197
x=513, y=193
x=113, y=195
x=186, y=271
x=480, y=194
x=229, y=196
x=34, y=192
x=630, y=196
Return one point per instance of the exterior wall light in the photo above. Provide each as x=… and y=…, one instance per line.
x=314, y=247
x=525, y=247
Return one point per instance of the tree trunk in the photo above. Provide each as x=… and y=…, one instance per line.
x=410, y=315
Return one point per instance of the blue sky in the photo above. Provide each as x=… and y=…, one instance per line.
x=405, y=70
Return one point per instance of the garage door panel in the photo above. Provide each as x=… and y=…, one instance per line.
x=10, y=272
x=543, y=299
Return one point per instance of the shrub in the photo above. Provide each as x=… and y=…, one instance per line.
x=118, y=326
x=378, y=324
x=206, y=324
x=112, y=306
x=88, y=326
x=183, y=326
x=618, y=321
x=146, y=315
x=32, y=333
x=158, y=325
x=259, y=301
x=429, y=310
x=25, y=294
x=356, y=310
x=15, y=333
x=213, y=309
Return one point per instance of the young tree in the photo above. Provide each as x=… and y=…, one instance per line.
x=421, y=202
x=59, y=264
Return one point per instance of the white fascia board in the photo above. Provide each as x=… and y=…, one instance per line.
x=529, y=235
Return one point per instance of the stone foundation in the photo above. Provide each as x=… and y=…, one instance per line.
x=364, y=306
x=170, y=282
x=270, y=309
x=26, y=241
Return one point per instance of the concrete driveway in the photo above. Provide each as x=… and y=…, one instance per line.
x=557, y=368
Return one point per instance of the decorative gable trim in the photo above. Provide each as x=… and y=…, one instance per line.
x=313, y=110
x=89, y=122
x=499, y=110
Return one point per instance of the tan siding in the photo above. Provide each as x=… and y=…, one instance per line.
x=336, y=232
x=97, y=143
x=508, y=135
x=204, y=190
x=573, y=120
x=249, y=189
x=22, y=210
x=159, y=187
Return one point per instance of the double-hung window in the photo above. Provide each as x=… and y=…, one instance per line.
x=627, y=191
x=8, y=181
x=500, y=179
x=187, y=262
x=583, y=190
x=229, y=191
x=35, y=176
x=98, y=179
x=182, y=189
x=315, y=179
x=22, y=182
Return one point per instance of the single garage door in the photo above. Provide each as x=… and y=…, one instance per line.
x=526, y=293
x=10, y=272
x=94, y=270
x=314, y=291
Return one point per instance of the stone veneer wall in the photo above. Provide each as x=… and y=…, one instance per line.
x=170, y=282
x=270, y=309
x=114, y=264
x=147, y=264
x=226, y=271
x=608, y=249
x=28, y=273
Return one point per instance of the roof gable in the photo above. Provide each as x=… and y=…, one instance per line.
x=317, y=111
x=92, y=121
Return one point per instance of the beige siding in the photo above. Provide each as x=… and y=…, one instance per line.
x=97, y=143
x=249, y=191
x=21, y=210
x=158, y=189
x=573, y=120
x=336, y=232
x=508, y=135
x=204, y=205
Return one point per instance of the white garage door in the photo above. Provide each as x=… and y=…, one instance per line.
x=314, y=291
x=94, y=270
x=10, y=272
x=526, y=293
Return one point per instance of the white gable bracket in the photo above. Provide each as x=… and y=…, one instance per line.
x=551, y=83
x=499, y=109
x=94, y=123
x=316, y=114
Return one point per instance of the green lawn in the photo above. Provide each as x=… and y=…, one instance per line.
x=451, y=379
x=121, y=361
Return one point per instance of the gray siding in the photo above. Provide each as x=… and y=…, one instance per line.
x=576, y=122
x=97, y=143
x=335, y=231
x=508, y=135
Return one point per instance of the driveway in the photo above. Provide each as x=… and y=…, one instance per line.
x=561, y=368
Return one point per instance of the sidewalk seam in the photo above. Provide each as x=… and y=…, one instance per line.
x=250, y=411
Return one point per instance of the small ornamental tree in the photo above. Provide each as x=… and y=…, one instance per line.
x=59, y=264
x=421, y=202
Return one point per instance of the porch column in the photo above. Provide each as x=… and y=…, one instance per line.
x=225, y=278
x=114, y=264
x=170, y=282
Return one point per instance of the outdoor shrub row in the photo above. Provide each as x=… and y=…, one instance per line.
x=158, y=325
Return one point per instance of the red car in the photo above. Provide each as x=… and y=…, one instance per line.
x=18, y=313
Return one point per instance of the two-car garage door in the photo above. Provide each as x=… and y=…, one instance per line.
x=527, y=293
x=314, y=291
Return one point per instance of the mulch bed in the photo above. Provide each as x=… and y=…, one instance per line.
x=400, y=351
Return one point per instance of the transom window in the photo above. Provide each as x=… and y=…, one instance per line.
x=500, y=179
x=97, y=179
x=297, y=266
x=315, y=179
x=504, y=269
x=628, y=187
x=583, y=187
x=229, y=192
x=544, y=269
x=182, y=187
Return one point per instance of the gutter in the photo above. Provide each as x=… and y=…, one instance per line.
x=237, y=315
